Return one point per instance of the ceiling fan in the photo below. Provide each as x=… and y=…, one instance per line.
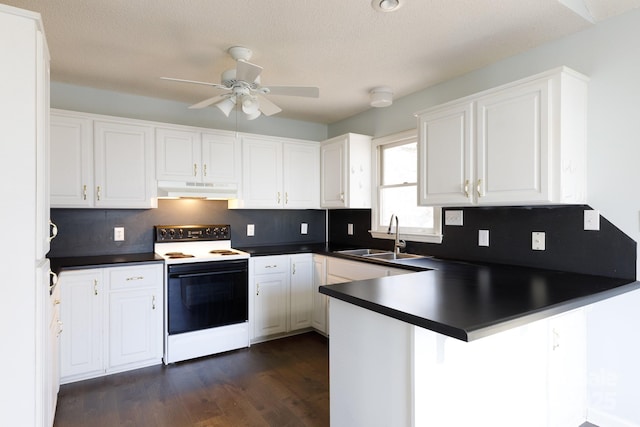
x=243, y=88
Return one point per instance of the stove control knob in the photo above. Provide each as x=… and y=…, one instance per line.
x=163, y=233
x=172, y=232
x=180, y=233
x=207, y=231
x=224, y=231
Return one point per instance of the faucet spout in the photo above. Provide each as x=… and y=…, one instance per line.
x=397, y=244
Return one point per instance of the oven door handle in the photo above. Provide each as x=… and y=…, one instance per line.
x=206, y=273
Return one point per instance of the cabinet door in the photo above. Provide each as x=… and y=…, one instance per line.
x=124, y=172
x=81, y=315
x=178, y=155
x=301, y=291
x=333, y=173
x=319, y=316
x=301, y=176
x=43, y=179
x=270, y=304
x=53, y=360
x=220, y=158
x=71, y=162
x=135, y=327
x=445, y=156
x=512, y=144
x=262, y=173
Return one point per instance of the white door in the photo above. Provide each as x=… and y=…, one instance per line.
x=301, y=176
x=512, y=141
x=124, y=173
x=220, y=158
x=71, y=162
x=301, y=291
x=445, y=156
x=262, y=173
x=178, y=155
x=333, y=173
x=135, y=327
x=270, y=304
x=81, y=315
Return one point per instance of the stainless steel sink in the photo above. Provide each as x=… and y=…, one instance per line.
x=379, y=254
x=363, y=252
x=390, y=256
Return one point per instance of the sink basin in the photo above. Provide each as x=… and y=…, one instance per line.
x=364, y=252
x=392, y=256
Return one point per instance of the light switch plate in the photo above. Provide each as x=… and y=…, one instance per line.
x=538, y=241
x=350, y=229
x=251, y=229
x=304, y=228
x=453, y=217
x=592, y=220
x=483, y=237
x=118, y=234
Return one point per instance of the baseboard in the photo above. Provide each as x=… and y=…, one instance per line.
x=604, y=419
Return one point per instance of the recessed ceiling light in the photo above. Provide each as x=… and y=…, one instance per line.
x=386, y=5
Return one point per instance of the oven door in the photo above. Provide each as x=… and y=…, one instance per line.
x=207, y=294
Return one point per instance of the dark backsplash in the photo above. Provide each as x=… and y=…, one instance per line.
x=87, y=232
x=608, y=252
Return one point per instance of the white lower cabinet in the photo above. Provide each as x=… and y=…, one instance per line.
x=320, y=301
x=282, y=300
x=112, y=320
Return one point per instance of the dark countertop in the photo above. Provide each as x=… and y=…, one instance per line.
x=59, y=264
x=470, y=301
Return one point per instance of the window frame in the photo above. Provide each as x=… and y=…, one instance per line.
x=433, y=235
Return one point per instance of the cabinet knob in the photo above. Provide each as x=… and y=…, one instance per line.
x=479, y=188
x=466, y=188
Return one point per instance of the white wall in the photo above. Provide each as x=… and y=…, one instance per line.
x=610, y=54
x=89, y=100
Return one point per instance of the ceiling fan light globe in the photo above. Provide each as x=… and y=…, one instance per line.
x=250, y=105
x=226, y=106
x=253, y=116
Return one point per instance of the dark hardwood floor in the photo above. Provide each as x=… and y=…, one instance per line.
x=284, y=382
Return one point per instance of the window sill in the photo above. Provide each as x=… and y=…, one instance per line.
x=425, y=238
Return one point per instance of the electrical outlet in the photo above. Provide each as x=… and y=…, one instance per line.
x=592, y=220
x=251, y=230
x=118, y=234
x=350, y=229
x=483, y=237
x=452, y=217
x=538, y=241
x=304, y=228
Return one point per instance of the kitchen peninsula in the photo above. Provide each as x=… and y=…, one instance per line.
x=463, y=344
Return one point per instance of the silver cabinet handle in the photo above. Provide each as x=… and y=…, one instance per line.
x=59, y=328
x=153, y=302
x=53, y=230
x=98, y=193
x=204, y=169
x=257, y=288
x=342, y=197
x=195, y=169
x=53, y=278
x=278, y=197
x=95, y=287
x=135, y=278
x=466, y=188
x=294, y=269
x=478, y=188
x=271, y=266
x=84, y=192
x=286, y=198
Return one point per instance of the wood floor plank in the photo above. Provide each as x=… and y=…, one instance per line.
x=280, y=383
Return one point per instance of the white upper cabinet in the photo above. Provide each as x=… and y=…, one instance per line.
x=101, y=163
x=522, y=143
x=278, y=173
x=123, y=160
x=189, y=155
x=345, y=165
x=71, y=161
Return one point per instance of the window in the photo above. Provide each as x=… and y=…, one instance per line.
x=396, y=191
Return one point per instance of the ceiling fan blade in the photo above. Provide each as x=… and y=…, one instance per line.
x=306, y=91
x=215, y=85
x=209, y=101
x=247, y=71
x=267, y=107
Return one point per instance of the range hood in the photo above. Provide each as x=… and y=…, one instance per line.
x=200, y=190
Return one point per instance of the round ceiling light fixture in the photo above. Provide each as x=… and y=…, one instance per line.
x=381, y=97
x=386, y=5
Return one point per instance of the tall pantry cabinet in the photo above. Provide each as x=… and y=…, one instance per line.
x=27, y=394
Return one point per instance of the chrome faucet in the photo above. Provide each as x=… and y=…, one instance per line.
x=398, y=244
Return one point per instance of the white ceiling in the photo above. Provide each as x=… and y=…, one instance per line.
x=343, y=47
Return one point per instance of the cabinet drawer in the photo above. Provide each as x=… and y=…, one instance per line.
x=140, y=276
x=267, y=265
